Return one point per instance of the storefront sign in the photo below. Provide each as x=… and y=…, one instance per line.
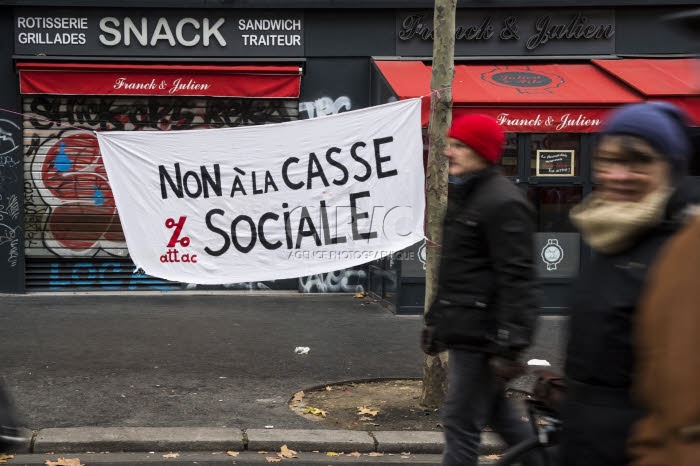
x=262, y=81
x=211, y=33
x=550, y=120
x=515, y=32
x=272, y=201
x=555, y=162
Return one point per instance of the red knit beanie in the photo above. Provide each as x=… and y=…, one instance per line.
x=480, y=132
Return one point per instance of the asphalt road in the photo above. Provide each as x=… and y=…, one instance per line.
x=201, y=360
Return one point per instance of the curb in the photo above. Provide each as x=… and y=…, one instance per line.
x=197, y=439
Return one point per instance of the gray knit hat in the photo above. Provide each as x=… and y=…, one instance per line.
x=662, y=124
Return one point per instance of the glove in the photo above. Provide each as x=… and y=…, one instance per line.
x=428, y=343
x=505, y=369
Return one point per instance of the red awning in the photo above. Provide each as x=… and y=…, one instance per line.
x=524, y=98
x=259, y=81
x=675, y=80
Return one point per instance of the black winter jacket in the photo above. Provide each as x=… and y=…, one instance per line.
x=487, y=296
x=600, y=409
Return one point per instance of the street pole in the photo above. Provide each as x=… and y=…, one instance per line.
x=435, y=367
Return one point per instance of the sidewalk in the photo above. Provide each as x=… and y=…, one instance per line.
x=205, y=372
x=76, y=440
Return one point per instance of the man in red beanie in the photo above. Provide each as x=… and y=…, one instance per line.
x=485, y=308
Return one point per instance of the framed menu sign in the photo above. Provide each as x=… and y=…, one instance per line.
x=555, y=162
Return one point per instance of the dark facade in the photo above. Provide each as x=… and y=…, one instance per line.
x=60, y=229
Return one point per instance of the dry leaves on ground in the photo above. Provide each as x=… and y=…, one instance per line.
x=232, y=453
x=365, y=410
x=287, y=453
x=4, y=457
x=298, y=397
x=64, y=462
x=315, y=411
x=374, y=453
x=171, y=455
x=272, y=460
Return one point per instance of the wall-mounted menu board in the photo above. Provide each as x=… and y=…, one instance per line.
x=555, y=162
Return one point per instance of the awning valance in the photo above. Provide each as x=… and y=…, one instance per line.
x=524, y=98
x=675, y=80
x=253, y=81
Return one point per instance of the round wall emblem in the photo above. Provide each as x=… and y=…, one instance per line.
x=552, y=254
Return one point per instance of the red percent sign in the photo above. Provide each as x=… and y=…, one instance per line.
x=175, y=238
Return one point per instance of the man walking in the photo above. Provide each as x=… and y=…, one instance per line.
x=484, y=312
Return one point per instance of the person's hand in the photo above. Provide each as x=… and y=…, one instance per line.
x=505, y=369
x=428, y=343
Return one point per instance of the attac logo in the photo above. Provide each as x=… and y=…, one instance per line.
x=523, y=79
x=173, y=254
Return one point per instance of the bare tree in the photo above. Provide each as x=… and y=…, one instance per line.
x=435, y=367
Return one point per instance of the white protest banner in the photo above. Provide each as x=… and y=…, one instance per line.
x=273, y=201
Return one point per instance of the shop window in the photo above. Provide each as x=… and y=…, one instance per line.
x=509, y=162
x=553, y=204
x=555, y=154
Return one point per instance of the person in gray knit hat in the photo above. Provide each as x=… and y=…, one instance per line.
x=639, y=166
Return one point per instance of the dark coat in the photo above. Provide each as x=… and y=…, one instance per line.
x=486, y=298
x=601, y=359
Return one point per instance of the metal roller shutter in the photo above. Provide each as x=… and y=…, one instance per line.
x=73, y=237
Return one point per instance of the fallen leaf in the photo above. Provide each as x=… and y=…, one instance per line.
x=332, y=453
x=365, y=418
x=233, y=453
x=492, y=457
x=329, y=388
x=287, y=453
x=4, y=458
x=355, y=454
x=171, y=455
x=374, y=453
x=364, y=410
x=262, y=452
x=272, y=460
x=315, y=411
x=361, y=294
x=298, y=396
x=65, y=462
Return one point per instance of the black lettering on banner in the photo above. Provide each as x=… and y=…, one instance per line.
x=368, y=167
x=357, y=216
x=269, y=181
x=210, y=225
x=337, y=165
x=186, y=182
x=326, y=228
x=261, y=234
x=303, y=233
x=318, y=173
x=285, y=177
x=255, y=185
x=379, y=159
x=207, y=181
x=287, y=226
x=234, y=234
x=164, y=175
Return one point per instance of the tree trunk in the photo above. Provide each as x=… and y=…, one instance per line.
x=435, y=367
